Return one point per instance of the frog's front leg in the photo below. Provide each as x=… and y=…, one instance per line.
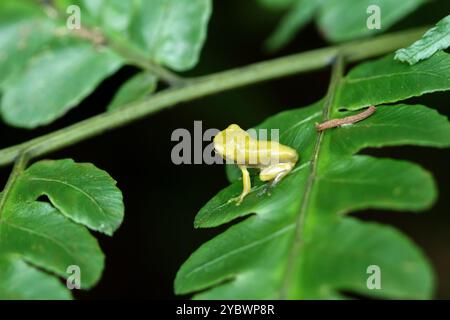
x=246, y=183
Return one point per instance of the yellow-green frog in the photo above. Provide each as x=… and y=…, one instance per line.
x=273, y=159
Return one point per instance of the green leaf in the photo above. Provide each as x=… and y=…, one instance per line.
x=58, y=71
x=135, y=89
x=344, y=20
x=16, y=279
x=301, y=13
x=55, y=70
x=335, y=259
x=171, y=32
x=40, y=235
x=387, y=80
x=168, y=32
x=24, y=30
x=116, y=14
x=81, y=192
x=350, y=247
x=250, y=259
x=110, y=15
x=435, y=39
x=72, y=70
x=338, y=20
x=393, y=125
x=381, y=129
x=36, y=237
x=296, y=241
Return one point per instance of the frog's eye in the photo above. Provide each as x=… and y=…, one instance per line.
x=219, y=138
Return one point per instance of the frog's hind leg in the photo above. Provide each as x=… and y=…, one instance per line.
x=287, y=168
x=275, y=174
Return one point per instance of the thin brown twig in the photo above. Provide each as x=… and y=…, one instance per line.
x=347, y=120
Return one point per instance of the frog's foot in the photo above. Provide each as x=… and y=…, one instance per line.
x=265, y=190
x=237, y=200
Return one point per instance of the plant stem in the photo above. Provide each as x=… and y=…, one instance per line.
x=136, y=58
x=336, y=77
x=208, y=85
x=19, y=166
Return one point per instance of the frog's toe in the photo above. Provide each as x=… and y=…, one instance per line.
x=237, y=200
x=265, y=190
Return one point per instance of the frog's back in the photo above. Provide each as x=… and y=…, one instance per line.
x=232, y=143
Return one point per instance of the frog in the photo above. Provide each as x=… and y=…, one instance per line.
x=273, y=159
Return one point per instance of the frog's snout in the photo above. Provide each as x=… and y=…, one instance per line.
x=217, y=149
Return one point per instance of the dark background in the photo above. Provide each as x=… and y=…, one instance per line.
x=162, y=199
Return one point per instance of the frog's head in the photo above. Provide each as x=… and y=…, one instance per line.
x=226, y=141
